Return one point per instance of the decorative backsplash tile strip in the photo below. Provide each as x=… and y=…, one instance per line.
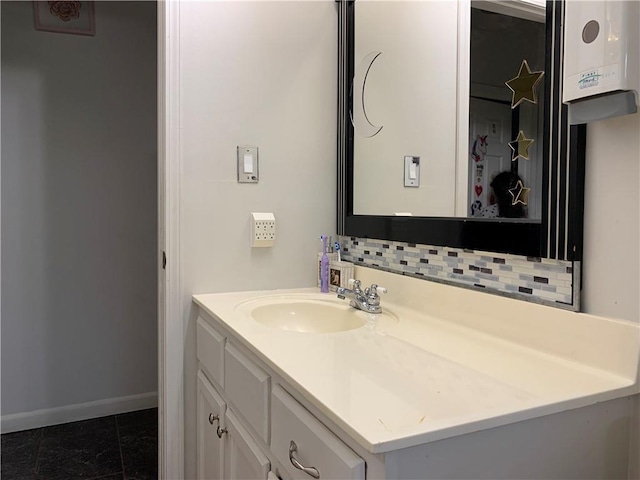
x=538, y=280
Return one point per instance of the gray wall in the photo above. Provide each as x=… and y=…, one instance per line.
x=78, y=209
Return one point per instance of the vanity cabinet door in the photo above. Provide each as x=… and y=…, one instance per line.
x=211, y=411
x=243, y=458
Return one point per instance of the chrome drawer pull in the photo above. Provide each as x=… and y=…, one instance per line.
x=221, y=431
x=293, y=448
x=213, y=418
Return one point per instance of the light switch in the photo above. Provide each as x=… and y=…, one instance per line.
x=411, y=171
x=247, y=164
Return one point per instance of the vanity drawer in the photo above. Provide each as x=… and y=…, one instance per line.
x=210, y=351
x=247, y=388
x=316, y=446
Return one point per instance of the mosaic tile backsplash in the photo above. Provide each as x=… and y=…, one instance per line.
x=538, y=280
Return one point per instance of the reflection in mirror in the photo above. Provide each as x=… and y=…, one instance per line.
x=505, y=140
x=414, y=88
x=411, y=89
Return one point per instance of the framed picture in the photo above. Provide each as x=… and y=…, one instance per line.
x=334, y=277
x=65, y=17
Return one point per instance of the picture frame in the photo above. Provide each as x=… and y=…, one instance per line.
x=72, y=17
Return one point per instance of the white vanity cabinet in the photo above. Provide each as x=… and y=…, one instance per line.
x=225, y=448
x=246, y=425
x=422, y=398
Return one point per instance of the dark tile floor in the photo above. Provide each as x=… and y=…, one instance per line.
x=119, y=447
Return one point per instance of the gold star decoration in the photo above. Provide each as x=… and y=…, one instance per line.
x=519, y=194
x=520, y=147
x=523, y=86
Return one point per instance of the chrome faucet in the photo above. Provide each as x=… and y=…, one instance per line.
x=367, y=300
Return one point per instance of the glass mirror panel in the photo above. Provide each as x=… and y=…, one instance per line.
x=433, y=116
x=411, y=93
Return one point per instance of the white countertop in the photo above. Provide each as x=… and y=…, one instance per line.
x=425, y=378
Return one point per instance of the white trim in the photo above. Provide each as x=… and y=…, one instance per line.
x=79, y=411
x=170, y=329
x=464, y=72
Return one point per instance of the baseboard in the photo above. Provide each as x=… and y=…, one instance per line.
x=79, y=411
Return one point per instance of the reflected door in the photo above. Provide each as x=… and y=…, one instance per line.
x=489, y=152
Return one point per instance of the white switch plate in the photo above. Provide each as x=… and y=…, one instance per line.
x=247, y=164
x=411, y=171
x=263, y=229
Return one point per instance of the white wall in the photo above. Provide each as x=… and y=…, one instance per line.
x=611, y=267
x=78, y=209
x=611, y=275
x=264, y=74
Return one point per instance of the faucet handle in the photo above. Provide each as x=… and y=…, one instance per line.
x=375, y=289
x=356, y=284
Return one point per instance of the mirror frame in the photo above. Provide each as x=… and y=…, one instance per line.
x=557, y=236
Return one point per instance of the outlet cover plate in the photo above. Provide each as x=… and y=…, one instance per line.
x=263, y=229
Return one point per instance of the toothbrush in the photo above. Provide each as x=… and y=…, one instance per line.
x=324, y=267
x=336, y=247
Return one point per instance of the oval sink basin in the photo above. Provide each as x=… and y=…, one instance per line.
x=307, y=317
x=310, y=313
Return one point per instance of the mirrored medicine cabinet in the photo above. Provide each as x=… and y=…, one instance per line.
x=429, y=125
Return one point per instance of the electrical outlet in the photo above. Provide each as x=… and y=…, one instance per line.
x=263, y=229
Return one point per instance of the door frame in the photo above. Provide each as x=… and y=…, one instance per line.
x=170, y=325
